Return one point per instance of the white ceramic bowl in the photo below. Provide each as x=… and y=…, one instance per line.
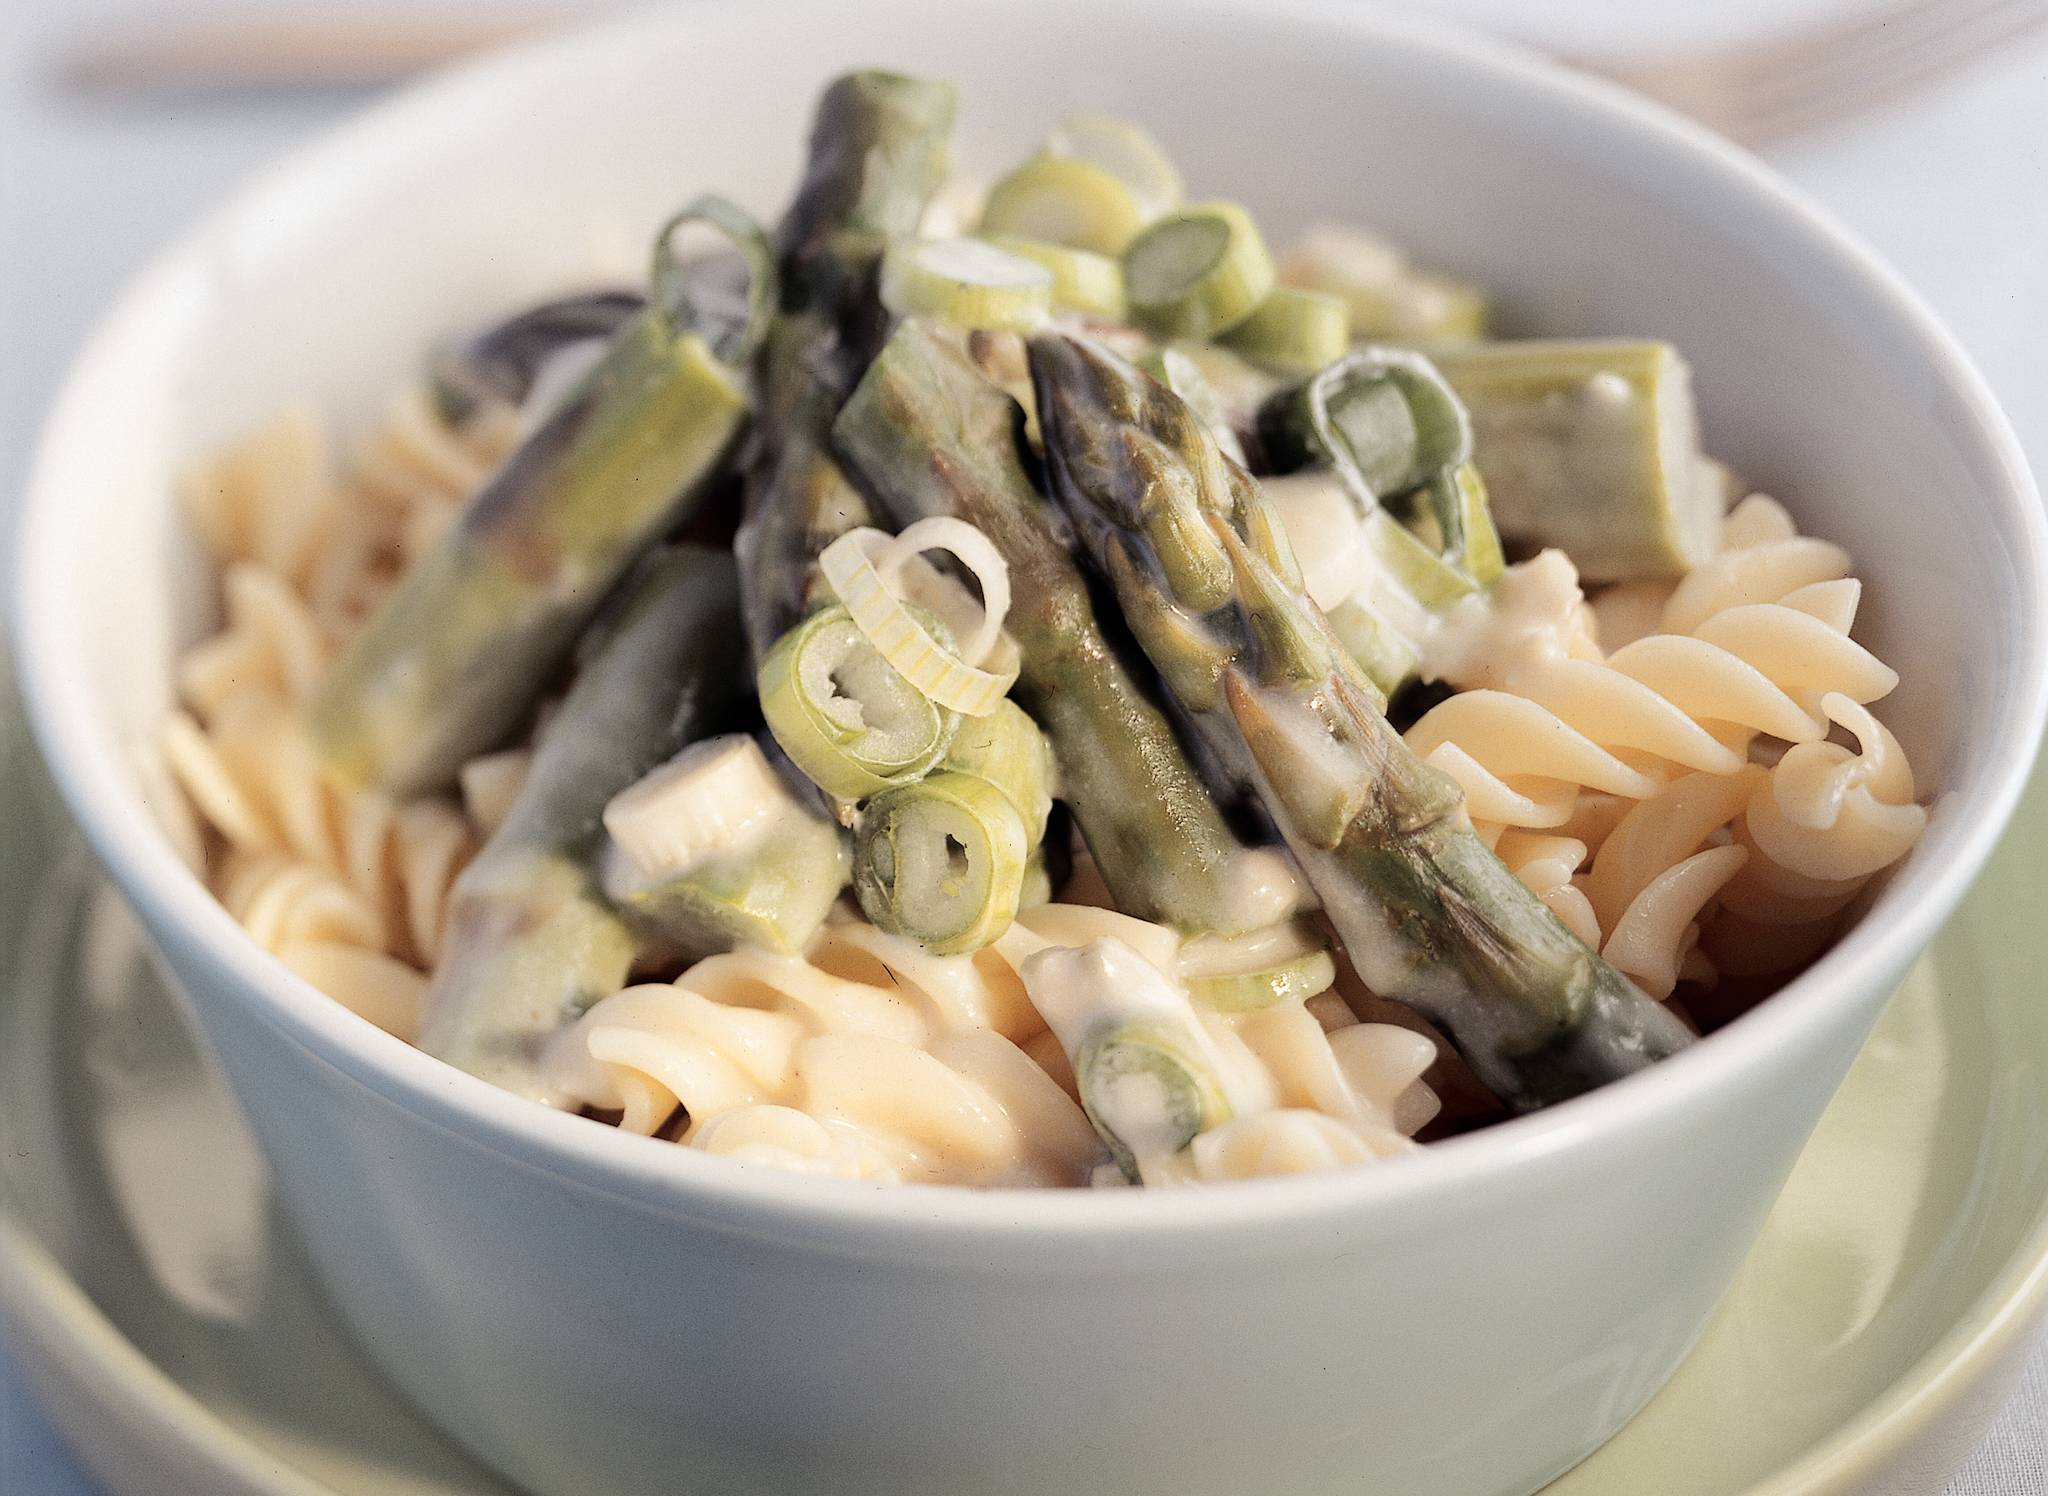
x=593, y=1312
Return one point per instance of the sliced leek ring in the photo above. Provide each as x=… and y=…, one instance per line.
x=714, y=796
x=941, y=862
x=970, y=283
x=1294, y=331
x=1243, y=973
x=1082, y=280
x=1007, y=749
x=1147, y=1091
x=1198, y=272
x=861, y=567
x=1126, y=152
x=1064, y=201
x=845, y=716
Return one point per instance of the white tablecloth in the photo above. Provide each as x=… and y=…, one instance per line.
x=1952, y=186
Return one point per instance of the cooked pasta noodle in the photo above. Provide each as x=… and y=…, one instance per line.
x=348, y=888
x=870, y=1058
x=1688, y=777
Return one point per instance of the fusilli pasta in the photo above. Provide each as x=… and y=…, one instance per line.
x=348, y=888
x=870, y=1058
x=1687, y=780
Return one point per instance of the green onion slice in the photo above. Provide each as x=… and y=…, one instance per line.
x=941, y=862
x=1285, y=962
x=1147, y=1092
x=1126, y=152
x=1082, y=281
x=1007, y=749
x=1198, y=272
x=872, y=573
x=846, y=717
x=1294, y=330
x=732, y=319
x=1064, y=201
x=970, y=283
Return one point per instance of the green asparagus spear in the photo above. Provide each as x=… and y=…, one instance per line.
x=458, y=655
x=1593, y=446
x=880, y=147
x=926, y=433
x=1427, y=913
x=531, y=940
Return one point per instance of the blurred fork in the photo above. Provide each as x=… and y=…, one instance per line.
x=1762, y=91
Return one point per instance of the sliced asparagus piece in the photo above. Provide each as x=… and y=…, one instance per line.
x=1427, y=913
x=880, y=147
x=531, y=940
x=457, y=656
x=1591, y=446
x=711, y=851
x=928, y=434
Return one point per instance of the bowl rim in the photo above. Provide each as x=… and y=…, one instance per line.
x=87, y=765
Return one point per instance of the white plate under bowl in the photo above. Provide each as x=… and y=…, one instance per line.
x=168, y=1322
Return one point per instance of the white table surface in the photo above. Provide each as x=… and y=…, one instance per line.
x=1951, y=186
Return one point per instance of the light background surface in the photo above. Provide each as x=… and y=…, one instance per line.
x=1951, y=186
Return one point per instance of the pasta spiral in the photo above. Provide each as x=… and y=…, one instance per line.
x=1689, y=777
x=869, y=1058
x=348, y=888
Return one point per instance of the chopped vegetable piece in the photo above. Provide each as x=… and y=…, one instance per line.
x=1591, y=445
x=1146, y=1076
x=929, y=662
x=711, y=851
x=1082, y=281
x=1294, y=331
x=712, y=795
x=844, y=715
x=967, y=282
x=1384, y=419
x=1064, y=201
x=1124, y=150
x=1197, y=272
x=941, y=861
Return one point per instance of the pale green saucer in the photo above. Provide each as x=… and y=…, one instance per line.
x=167, y=1322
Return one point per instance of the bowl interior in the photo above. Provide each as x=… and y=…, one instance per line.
x=327, y=280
